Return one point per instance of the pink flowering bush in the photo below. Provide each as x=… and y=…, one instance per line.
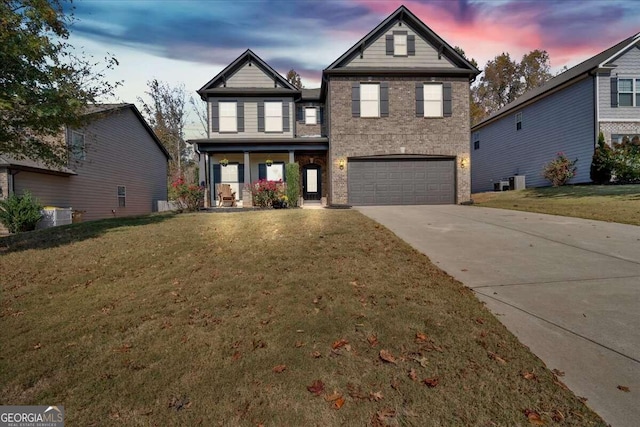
x=187, y=197
x=267, y=193
x=560, y=170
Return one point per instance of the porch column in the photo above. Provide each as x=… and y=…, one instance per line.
x=247, y=168
x=291, y=157
x=247, y=201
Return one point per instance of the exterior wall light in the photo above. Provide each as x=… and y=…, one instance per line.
x=341, y=164
x=463, y=162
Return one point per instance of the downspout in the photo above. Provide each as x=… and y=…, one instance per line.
x=597, y=109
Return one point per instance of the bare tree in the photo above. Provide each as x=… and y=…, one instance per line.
x=294, y=78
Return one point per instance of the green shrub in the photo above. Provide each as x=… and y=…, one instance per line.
x=292, y=172
x=268, y=194
x=560, y=170
x=626, y=161
x=188, y=197
x=20, y=213
x=602, y=162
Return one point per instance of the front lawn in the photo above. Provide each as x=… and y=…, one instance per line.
x=274, y=318
x=613, y=203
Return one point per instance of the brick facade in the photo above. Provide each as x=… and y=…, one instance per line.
x=308, y=130
x=318, y=159
x=400, y=133
x=4, y=183
x=619, y=128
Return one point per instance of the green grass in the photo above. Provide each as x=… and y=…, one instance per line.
x=612, y=203
x=180, y=320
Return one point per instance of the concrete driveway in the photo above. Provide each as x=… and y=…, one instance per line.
x=568, y=288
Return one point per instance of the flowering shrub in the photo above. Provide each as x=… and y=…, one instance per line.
x=626, y=160
x=187, y=197
x=560, y=170
x=267, y=193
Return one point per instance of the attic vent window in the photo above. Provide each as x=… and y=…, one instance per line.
x=400, y=45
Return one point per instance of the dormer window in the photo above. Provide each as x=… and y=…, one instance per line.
x=399, y=44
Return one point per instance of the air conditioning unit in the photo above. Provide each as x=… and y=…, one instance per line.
x=53, y=216
x=517, y=182
x=502, y=185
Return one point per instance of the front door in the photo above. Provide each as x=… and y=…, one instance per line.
x=311, y=182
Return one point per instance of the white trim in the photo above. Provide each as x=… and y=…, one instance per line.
x=636, y=39
x=619, y=121
x=597, y=100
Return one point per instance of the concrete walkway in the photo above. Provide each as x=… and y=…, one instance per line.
x=568, y=288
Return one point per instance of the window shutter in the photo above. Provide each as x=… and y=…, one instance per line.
x=384, y=99
x=284, y=171
x=320, y=115
x=241, y=174
x=240, y=116
x=446, y=100
x=215, y=117
x=419, y=100
x=389, y=44
x=216, y=180
x=299, y=113
x=355, y=99
x=614, y=92
x=262, y=171
x=411, y=45
x=261, y=116
x=285, y=116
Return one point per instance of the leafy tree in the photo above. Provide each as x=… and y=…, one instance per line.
x=167, y=116
x=44, y=85
x=602, y=162
x=534, y=69
x=294, y=78
x=476, y=112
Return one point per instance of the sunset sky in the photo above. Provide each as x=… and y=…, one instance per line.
x=191, y=41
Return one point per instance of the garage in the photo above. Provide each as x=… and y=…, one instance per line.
x=401, y=181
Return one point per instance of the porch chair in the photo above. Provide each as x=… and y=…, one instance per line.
x=226, y=197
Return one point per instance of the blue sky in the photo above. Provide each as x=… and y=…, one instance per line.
x=185, y=41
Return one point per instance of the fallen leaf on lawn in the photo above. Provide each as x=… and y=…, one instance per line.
x=317, y=387
x=125, y=348
x=529, y=376
x=332, y=397
x=38, y=346
x=558, y=372
x=497, y=358
x=423, y=361
x=236, y=356
x=377, y=396
x=373, y=340
x=385, y=413
x=534, y=417
x=624, y=388
x=557, y=416
x=412, y=375
x=184, y=339
x=299, y=344
x=431, y=382
x=316, y=354
x=340, y=343
x=279, y=368
x=338, y=403
x=387, y=357
x=480, y=320
x=420, y=337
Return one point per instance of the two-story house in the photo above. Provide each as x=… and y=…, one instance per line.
x=566, y=114
x=388, y=126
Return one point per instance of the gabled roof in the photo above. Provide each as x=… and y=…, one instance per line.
x=601, y=60
x=405, y=15
x=239, y=62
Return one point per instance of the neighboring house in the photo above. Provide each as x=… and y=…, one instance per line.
x=388, y=126
x=117, y=167
x=602, y=94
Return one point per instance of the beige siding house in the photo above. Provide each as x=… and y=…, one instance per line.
x=117, y=167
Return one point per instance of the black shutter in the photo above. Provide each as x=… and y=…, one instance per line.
x=446, y=100
x=216, y=180
x=285, y=116
x=299, y=113
x=411, y=45
x=614, y=92
x=241, y=175
x=262, y=171
x=384, y=99
x=240, y=116
x=215, y=117
x=261, y=116
x=321, y=115
x=419, y=100
x=284, y=171
x=355, y=99
x=389, y=39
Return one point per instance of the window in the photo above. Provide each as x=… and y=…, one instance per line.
x=476, y=140
x=76, y=146
x=122, y=196
x=629, y=93
x=275, y=172
x=273, y=116
x=433, y=99
x=228, y=117
x=400, y=44
x=519, y=121
x=369, y=100
x=310, y=116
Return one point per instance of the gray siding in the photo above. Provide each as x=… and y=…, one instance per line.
x=375, y=55
x=251, y=120
x=250, y=76
x=563, y=122
x=119, y=152
x=627, y=65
